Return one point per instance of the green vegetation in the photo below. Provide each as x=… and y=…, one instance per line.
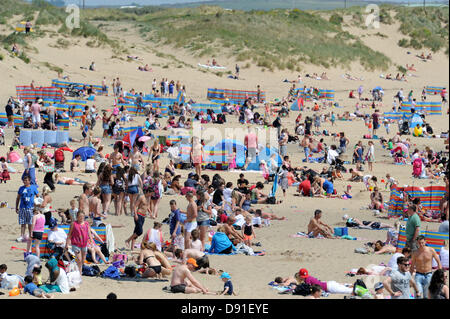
x=277, y=39
x=427, y=28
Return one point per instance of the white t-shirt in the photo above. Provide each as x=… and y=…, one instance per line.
x=240, y=220
x=62, y=281
x=227, y=194
x=257, y=221
x=90, y=164
x=57, y=237
x=444, y=257
x=393, y=261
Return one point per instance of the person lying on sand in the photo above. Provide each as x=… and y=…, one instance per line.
x=69, y=181
x=381, y=248
x=354, y=222
x=200, y=257
x=316, y=226
x=145, y=68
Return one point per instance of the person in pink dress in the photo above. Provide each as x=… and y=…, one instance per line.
x=79, y=236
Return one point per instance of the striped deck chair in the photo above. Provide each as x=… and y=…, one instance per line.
x=434, y=240
x=44, y=246
x=434, y=90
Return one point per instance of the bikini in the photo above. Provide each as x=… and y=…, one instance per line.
x=156, y=269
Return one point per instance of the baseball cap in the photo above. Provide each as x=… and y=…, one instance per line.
x=303, y=273
x=378, y=286
x=192, y=261
x=225, y=275
x=191, y=174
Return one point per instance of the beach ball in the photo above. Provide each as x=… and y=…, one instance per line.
x=14, y=292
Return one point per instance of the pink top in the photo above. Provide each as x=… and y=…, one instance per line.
x=39, y=224
x=314, y=281
x=35, y=108
x=251, y=140
x=80, y=234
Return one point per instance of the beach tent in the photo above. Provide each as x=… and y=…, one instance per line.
x=415, y=119
x=265, y=153
x=131, y=137
x=296, y=104
x=85, y=152
x=20, y=27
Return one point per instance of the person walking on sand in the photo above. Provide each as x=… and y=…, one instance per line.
x=421, y=264
x=197, y=155
x=399, y=283
x=139, y=219
x=370, y=155
x=25, y=207
x=191, y=219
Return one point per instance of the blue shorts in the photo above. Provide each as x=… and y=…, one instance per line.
x=132, y=189
x=106, y=189
x=203, y=223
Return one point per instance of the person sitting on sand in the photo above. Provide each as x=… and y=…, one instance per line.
x=182, y=280
x=316, y=226
x=376, y=200
x=357, y=176
x=147, y=257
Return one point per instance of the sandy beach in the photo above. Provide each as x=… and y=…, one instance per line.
x=325, y=259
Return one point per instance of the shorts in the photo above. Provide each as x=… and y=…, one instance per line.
x=412, y=244
x=248, y=237
x=190, y=226
x=204, y=223
x=251, y=153
x=106, y=189
x=77, y=249
x=37, y=235
x=105, y=126
x=138, y=225
x=25, y=216
x=84, y=134
x=114, y=168
x=36, y=118
x=133, y=189
x=117, y=191
x=202, y=262
x=178, y=288
x=51, y=119
x=11, y=118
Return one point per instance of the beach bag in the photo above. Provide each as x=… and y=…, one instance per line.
x=111, y=272
x=340, y=231
x=417, y=167
x=59, y=156
x=90, y=271
x=303, y=289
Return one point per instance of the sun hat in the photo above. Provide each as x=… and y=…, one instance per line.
x=303, y=273
x=192, y=261
x=225, y=275
x=345, y=217
x=378, y=286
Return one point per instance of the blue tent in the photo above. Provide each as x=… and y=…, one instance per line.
x=85, y=152
x=414, y=120
x=265, y=154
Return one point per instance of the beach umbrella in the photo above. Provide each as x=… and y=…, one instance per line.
x=85, y=152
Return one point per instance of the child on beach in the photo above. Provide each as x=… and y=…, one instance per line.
x=34, y=290
x=4, y=176
x=228, y=285
x=391, y=181
x=347, y=194
x=232, y=159
x=37, y=229
x=247, y=230
x=368, y=179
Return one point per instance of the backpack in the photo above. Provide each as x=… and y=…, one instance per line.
x=417, y=167
x=303, y=289
x=59, y=156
